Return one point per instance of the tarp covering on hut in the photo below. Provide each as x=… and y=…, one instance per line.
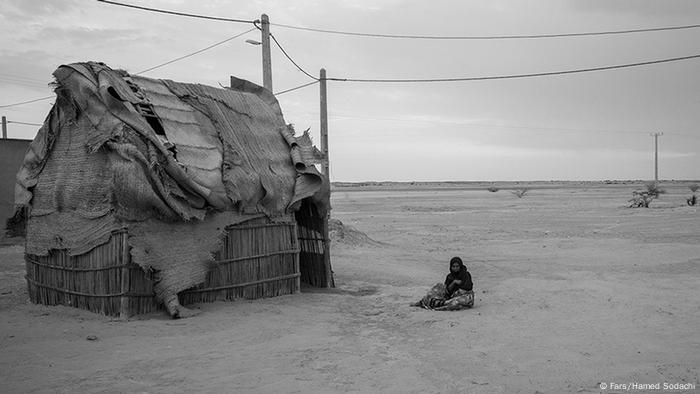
x=172, y=163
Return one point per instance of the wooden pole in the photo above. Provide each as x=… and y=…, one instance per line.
x=330, y=282
x=324, y=123
x=124, y=259
x=266, y=57
x=297, y=269
x=4, y=127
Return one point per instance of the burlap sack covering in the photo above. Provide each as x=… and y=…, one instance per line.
x=172, y=163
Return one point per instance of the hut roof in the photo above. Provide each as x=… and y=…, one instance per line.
x=172, y=163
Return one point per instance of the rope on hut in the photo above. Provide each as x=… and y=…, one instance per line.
x=311, y=239
x=63, y=268
x=258, y=256
x=256, y=282
x=35, y=283
x=252, y=226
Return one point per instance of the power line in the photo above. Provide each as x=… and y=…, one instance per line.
x=26, y=102
x=429, y=80
x=24, y=123
x=22, y=80
x=406, y=36
x=497, y=37
x=514, y=76
x=148, y=69
x=216, y=18
x=413, y=120
x=466, y=79
x=19, y=82
x=20, y=77
x=290, y=59
x=194, y=53
x=298, y=87
x=501, y=126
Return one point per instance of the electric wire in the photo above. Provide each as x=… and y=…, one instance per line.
x=195, y=53
x=497, y=37
x=18, y=82
x=20, y=77
x=148, y=69
x=514, y=76
x=216, y=18
x=406, y=36
x=290, y=58
x=22, y=80
x=23, y=123
x=298, y=87
x=556, y=129
x=429, y=80
x=26, y=102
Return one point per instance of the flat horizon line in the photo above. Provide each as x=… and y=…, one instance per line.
x=510, y=181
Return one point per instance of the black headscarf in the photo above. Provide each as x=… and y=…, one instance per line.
x=462, y=275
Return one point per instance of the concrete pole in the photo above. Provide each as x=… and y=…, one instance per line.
x=266, y=57
x=330, y=281
x=4, y=127
x=324, y=124
x=656, y=155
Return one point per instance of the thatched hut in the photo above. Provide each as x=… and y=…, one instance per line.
x=142, y=193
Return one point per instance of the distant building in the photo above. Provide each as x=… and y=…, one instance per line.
x=11, y=156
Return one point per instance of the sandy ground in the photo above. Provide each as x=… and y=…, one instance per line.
x=572, y=289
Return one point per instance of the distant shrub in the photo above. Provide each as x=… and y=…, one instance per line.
x=642, y=198
x=692, y=200
x=654, y=189
x=520, y=193
x=492, y=189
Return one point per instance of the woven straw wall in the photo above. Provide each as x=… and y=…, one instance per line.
x=257, y=259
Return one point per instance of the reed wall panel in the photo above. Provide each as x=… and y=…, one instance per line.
x=257, y=259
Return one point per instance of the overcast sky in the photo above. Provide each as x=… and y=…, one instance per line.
x=590, y=126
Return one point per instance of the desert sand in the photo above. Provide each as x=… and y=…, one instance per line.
x=573, y=289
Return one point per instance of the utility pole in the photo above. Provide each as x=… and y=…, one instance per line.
x=324, y=124
x=656, y=154
x=4, y=127
x=266, y=58
x=326, y=173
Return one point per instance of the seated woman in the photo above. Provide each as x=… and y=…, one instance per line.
x=456, y=293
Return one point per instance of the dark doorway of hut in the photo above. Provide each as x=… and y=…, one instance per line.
x=314, y=246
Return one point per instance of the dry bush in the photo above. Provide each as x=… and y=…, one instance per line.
x=692, y=200
x=520, y=193
x=642, y=198
x=654, y=189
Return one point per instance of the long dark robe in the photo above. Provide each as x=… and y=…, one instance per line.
x=462, y=275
